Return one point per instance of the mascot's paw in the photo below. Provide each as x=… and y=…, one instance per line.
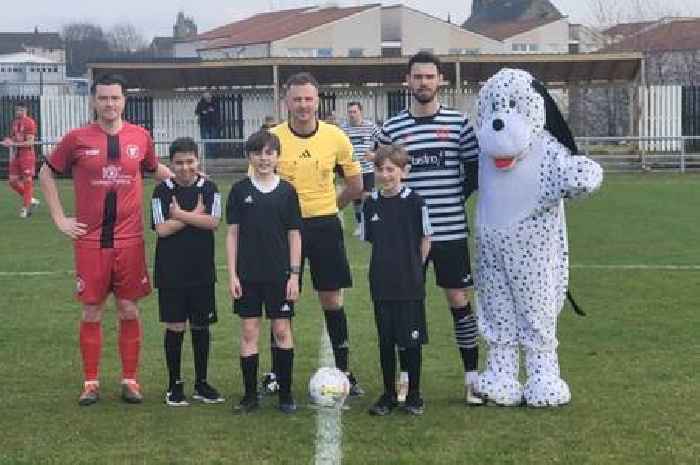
x=546, y=391
x=500, y=389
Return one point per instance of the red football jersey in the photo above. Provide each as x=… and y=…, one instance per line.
x=21, y=128
x=107, y=179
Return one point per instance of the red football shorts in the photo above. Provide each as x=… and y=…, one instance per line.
x=101, y=271
x=23, y=165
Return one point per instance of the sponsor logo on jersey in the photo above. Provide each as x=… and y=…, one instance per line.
x=442, y=133
x=248, y=199
x=132, y=151
x=375, y=217
x=111, y=175
x=93, y=152
x=430, y=159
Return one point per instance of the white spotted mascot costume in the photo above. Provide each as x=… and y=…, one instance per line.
x=527, y=167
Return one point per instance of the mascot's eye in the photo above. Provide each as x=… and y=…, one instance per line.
x=494, y=106
x=511, y=103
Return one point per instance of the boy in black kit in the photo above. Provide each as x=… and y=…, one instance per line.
x=186, y=211
x=263, y=213
x=395, y=221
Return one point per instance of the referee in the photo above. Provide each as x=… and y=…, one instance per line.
x=310, y=152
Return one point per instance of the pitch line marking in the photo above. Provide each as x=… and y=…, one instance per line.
x=329, y=428
x=364, y=267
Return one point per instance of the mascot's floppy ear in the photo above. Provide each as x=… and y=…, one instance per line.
x=554, y=121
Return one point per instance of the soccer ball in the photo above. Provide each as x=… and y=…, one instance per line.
x=328, y=387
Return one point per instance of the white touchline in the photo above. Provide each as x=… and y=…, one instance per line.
x=329, y=428
x=581, y=266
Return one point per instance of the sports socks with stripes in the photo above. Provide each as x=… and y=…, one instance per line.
x=466, y=336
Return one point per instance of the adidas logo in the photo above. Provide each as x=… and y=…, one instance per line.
x=285, y=308
x=375, y=217
x=305, y=154
x=248, y=199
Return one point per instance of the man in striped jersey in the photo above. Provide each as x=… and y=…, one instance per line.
x=443, y=147
x=361, y=133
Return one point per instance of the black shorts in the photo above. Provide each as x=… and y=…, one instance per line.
x=323, y=245
x=273, y=296
x=401, y=322
x=195, y=304
x=451, y=262
x=368, y=182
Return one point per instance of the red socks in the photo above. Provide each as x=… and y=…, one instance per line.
x=90, y=348
x=17, y=186
x=28, y=192
x=129, y=347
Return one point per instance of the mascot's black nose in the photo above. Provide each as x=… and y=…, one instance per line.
x=498, y=124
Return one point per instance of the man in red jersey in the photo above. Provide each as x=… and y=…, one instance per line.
x=106, y=160
x=22, y=158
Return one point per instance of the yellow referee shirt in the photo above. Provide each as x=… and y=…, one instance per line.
x=308, y=163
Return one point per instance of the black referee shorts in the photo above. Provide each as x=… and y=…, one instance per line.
x=272, y=296
x=401, y=322
x=452, y=265
x=196, y=304
x=323, y=245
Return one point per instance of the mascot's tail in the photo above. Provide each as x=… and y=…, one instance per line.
x=574, y=305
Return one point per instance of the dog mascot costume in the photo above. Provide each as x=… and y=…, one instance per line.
x=527, y=167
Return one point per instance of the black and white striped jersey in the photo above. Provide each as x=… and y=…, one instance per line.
x=439, y=146
x=362, y=138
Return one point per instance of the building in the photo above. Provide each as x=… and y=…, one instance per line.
x=523, y=26
x=27, y=74
x=47, y=45
x=326, y=32
x=184, y=29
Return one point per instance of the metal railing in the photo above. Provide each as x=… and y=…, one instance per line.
x=661, y=153
x=615, y=154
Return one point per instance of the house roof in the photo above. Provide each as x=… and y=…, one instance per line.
x=505, y=29
x=269, y=27
x=667, y=35
x=11, y=42
x=627, y=29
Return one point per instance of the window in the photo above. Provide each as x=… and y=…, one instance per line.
x=525, y=47
x=356, y=52
x=464, y=51
x=324, y=52
x=429, y=50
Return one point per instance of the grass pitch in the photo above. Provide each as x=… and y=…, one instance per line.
x=632, y=364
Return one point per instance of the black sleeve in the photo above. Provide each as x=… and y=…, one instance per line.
x=160, y=205
x=293, y=210
x=233, y=207
x=471, y=177
x=365, y=224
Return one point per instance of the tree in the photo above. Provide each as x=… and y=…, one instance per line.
x=124, y=37
x=84, y=42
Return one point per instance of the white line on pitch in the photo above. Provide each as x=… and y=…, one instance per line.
x=363, y=267
x=329, y=428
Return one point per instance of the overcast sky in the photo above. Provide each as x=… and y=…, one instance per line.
x=156, y=17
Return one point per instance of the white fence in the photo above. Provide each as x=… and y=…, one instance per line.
x=662, y=117
x=173, y=115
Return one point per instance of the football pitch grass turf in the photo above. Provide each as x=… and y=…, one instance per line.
x=632, y=364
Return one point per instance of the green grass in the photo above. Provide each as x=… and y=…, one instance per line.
x=632, y=363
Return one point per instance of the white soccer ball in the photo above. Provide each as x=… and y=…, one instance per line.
x=328, y=387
